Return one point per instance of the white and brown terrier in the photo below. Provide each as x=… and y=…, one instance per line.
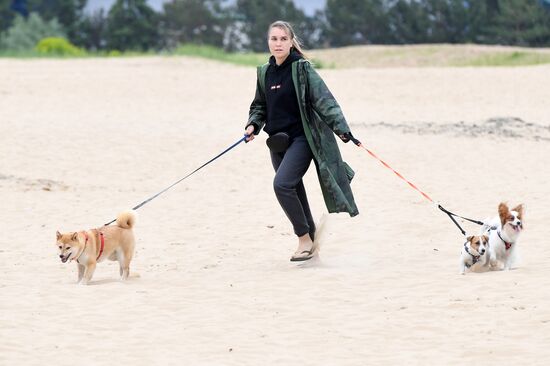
x=475, y=254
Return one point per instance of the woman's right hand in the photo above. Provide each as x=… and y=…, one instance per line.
x=250, y=133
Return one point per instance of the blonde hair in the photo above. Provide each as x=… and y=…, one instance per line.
x=296, y=43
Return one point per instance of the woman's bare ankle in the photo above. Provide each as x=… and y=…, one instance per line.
x=304, y=243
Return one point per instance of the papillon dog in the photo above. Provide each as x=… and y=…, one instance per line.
x=503, y=238
x=474, y=255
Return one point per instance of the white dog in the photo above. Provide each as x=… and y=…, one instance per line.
x=474, y=255
x=503, y=237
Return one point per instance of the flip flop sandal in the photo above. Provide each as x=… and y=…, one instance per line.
x=310, y=254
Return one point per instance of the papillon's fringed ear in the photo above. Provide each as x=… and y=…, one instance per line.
x=469, y=238
x=519, y=209
x=503, y=212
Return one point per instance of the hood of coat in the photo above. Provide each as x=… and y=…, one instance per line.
x=293, y=56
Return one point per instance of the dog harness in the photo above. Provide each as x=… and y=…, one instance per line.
x=475, y=258
x=100, y=248
x=506, y=244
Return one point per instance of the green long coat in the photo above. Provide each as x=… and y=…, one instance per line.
x=321, y=118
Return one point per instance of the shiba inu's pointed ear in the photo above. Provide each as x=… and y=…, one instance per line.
x=58, y=235
x=74, y=237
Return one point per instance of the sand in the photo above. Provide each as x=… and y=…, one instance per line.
x=81, y=140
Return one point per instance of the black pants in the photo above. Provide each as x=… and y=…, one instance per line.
x=290, y=166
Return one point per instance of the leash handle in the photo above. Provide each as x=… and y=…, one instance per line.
x=355, y=141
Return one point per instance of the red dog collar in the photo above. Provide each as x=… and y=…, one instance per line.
x=100, y=248
x=506, y=244
x=102, y=245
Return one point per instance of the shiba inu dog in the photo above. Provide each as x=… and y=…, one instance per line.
x=87, y=248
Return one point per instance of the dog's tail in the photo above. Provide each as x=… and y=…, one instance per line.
x=126, y=219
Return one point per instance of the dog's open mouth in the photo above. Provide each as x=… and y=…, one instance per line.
x=65, y=259
x=517, y=227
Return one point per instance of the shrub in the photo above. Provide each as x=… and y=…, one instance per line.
x=58, y=47
x=25, y=33
x=114, y=53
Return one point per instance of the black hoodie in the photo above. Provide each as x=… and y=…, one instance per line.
x=283, y=112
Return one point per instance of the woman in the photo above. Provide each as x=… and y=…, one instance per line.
x=300, y=116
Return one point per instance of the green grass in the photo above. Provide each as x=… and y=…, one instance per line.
x=244, y=59
x=20, y=54
x=359, y=56
x=515, y=58
x=214, y=53
x=440, y=55
x=35, y=54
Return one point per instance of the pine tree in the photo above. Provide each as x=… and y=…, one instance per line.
x=252, y=18
x=131, y=25
x=521, y=23
x=68, y=12
x=356, y=22
x=193, y=21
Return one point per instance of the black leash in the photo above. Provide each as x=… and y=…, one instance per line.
x=349, y=137
x=450, y=214
x=187, y=176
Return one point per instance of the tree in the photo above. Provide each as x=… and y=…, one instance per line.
x=68, y=12
x=131, y=25
x=356, y=22
x=20, y=7
x=24, y=34
x=408, y=22
x=6, y=15
x=193, y=21
x=252, y=18
x=437, y=21
x=92, y=31
x=520, y=22
x=454, y=21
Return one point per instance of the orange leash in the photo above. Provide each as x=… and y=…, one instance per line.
x=451, y=215
x=396, y=172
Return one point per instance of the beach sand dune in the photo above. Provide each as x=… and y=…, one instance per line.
x=81, y=140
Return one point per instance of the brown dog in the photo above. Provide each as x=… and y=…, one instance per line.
x=87, y=248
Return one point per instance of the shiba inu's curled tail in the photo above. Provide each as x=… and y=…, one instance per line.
x=126, y=219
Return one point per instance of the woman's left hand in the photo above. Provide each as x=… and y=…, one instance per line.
x=250, y=133
x=347, y=137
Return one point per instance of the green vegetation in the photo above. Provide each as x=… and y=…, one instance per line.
x=215, y=53
x=515, y=58
x=442, y=55
x=241, y=25
x=26, y=32
x=58, y=47
x=347, y=57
